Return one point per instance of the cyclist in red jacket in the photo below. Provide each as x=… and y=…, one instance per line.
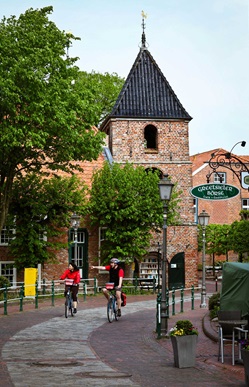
x=116, y=276
x=72, y=273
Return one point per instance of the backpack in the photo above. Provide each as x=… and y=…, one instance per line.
x=123, y=298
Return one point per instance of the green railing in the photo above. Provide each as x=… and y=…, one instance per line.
x=176, y=298
x=55, y=289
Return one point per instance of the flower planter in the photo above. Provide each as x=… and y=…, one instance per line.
x=184, y=348
x=245, y=358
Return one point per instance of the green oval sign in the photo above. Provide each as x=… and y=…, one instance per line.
x=215, y=191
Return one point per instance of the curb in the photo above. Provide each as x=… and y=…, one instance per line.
x=208, y=328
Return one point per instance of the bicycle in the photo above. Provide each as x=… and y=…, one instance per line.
x=69, y=300
x=112, y=308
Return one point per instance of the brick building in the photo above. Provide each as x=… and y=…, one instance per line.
x=220, y=211
x=148, y=126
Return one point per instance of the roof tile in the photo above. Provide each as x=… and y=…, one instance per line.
x=147, y=94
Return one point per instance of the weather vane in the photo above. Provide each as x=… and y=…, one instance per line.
x=144, y=16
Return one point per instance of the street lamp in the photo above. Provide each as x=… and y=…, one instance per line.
x=158, y=266
x=165, y=189
x=203, y=219
x=75, y=222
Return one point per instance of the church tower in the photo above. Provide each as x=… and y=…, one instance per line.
x=148, y=126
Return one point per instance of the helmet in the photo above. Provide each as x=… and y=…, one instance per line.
x=115, y=260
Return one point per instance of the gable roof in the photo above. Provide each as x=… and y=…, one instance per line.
x=147, y=93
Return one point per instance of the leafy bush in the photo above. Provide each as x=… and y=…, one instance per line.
x=214, y=305
x=4, y=282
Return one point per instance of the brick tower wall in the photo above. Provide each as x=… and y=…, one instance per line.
x=126, y=141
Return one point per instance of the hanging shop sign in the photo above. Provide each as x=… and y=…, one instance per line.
x=215, y=191
x=245, y=180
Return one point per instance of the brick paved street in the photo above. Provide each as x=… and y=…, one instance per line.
x=40, y=347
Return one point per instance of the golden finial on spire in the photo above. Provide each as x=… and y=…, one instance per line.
x=144, y=15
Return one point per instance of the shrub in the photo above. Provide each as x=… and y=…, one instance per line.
x=4, y=282
x=214, y=305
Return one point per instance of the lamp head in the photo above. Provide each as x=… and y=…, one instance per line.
x=75, y=220
x=203, y=218
x=165, y=188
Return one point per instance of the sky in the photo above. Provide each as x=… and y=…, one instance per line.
x=201, y=46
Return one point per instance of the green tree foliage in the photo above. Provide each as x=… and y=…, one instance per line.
x=126, y=201
x=44, y=119
x=99, y=92
x=3, y=283
x=239, y=236
x=217, y=240
x=43, y=209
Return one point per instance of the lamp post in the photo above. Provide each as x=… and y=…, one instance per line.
x=203, y=219
x=158, y=266
x=75, y=222
x=165, y=189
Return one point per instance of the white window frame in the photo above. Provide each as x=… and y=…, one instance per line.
x=81, y=240
x=13, y=283
x=245, y=206
x=217, y=177
x=5, y=237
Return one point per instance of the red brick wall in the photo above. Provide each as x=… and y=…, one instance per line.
x=220, y=211
x=172, y=158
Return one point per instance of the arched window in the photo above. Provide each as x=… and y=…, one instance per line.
x=155, y=170
x=150, y=137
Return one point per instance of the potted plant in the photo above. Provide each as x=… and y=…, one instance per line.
x=245, y=357
x=184, y=339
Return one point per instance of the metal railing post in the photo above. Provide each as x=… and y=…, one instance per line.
x=5, y=299
x=167, y=304
x=52, y=292
x=173, y=302
x=36, y=295
x=95, y=286
x=21, y=297
x=85, y=290
x=192, y=297
x=158, y=315
x=182, y=295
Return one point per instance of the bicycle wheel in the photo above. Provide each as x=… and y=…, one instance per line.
x=67, y=306
x=71, y=307
x=110, y=310
x=115, y=309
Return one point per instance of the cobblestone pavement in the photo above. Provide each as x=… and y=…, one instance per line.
x=40, y=347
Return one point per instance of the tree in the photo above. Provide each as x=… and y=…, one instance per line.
x=43, y=209
x=99, y=91
x=239, y=236
x=44, y=121
x=217, y=240
x=125, y=199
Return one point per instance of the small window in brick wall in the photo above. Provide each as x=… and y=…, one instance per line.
x=150, y=137
x=220, y=178
x=245, y=204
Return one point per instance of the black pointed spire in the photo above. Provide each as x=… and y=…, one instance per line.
x=146, y=92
